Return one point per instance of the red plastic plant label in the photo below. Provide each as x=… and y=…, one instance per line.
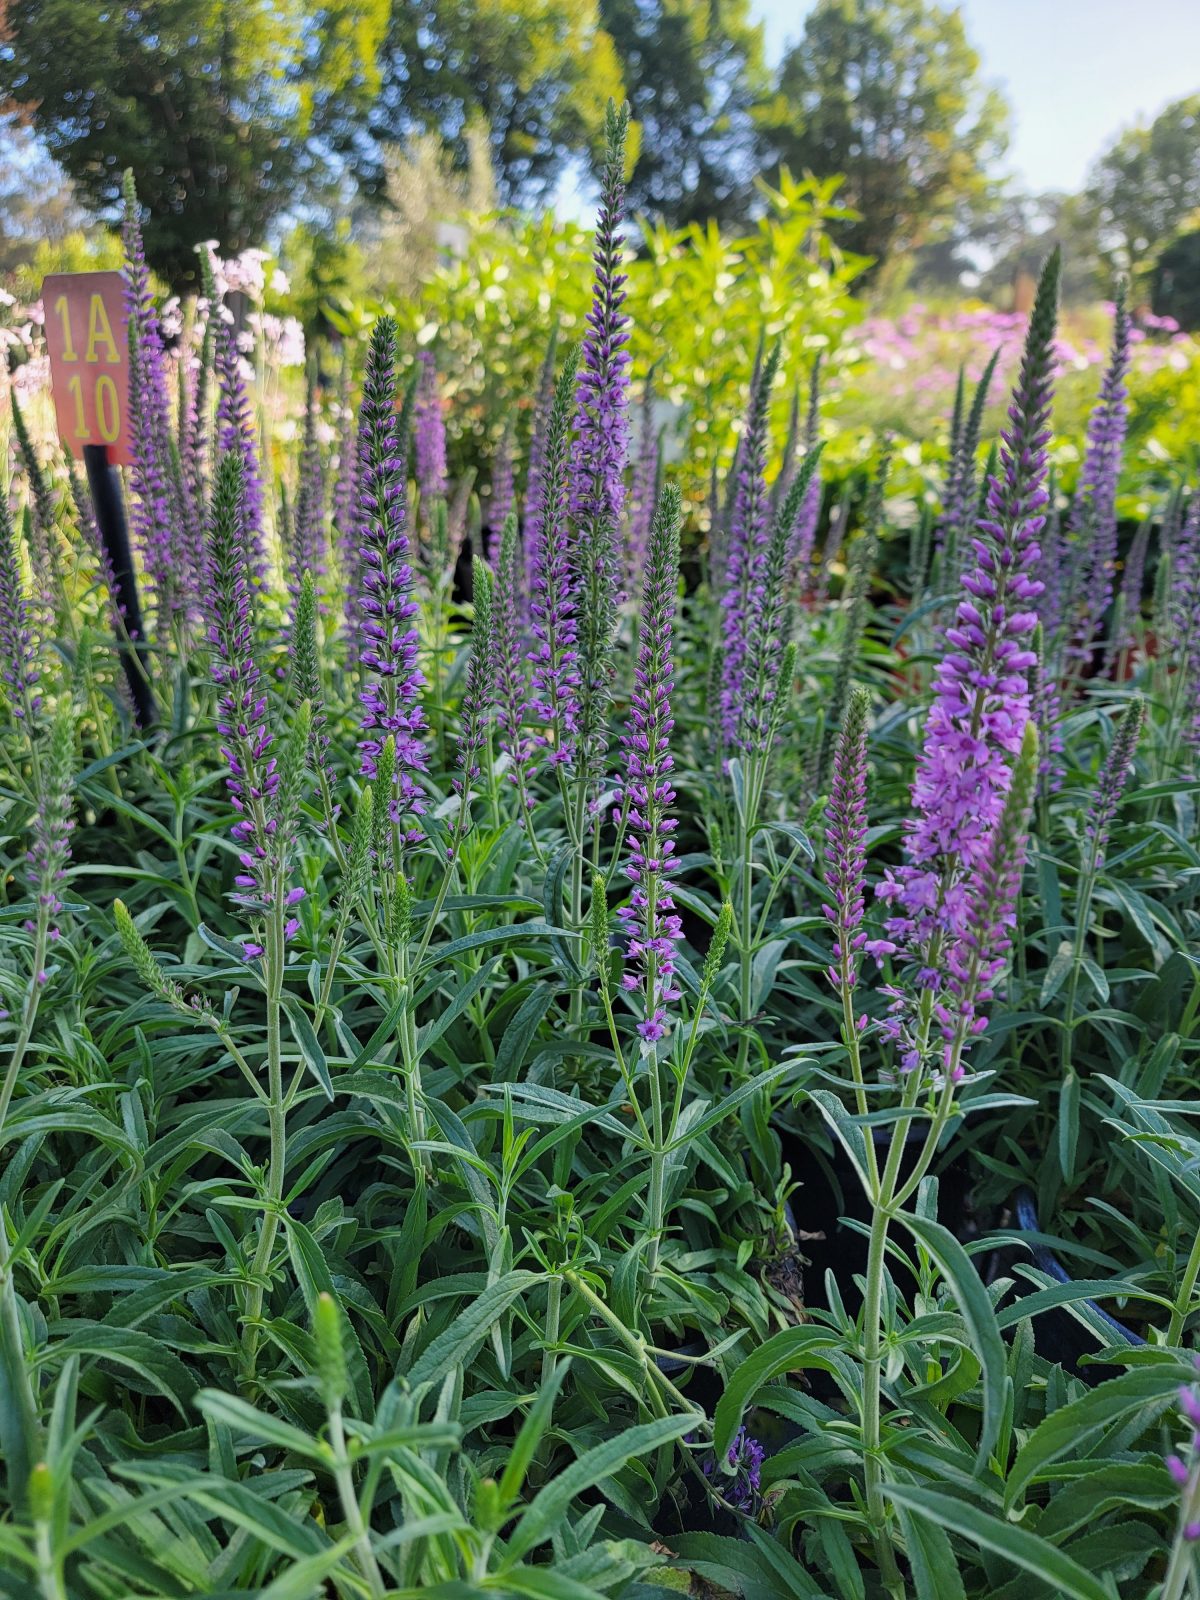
x=88, y=344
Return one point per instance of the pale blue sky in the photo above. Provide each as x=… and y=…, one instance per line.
x=1075, y=72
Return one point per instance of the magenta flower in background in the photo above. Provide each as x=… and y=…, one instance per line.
x=649, y=919
x=391, y=691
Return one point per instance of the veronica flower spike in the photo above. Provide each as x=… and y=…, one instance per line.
x=392, y=680
x=982, y=688
x=649, y=919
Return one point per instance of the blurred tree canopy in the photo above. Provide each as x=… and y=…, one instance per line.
x=888, y=93
x=694, y=75
x=1145, y=185
x=222, y=108
x=537, y=73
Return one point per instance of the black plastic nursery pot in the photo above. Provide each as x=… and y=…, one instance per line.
x=1058, y=1336
x=833, y=1212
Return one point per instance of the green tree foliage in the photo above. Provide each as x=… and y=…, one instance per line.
x=1142, y=189
x=1175, y=287
x=694, y=74
x=538, y=73
x=888, y=93
x=220, y=107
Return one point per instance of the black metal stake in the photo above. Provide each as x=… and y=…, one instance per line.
x=105, y=486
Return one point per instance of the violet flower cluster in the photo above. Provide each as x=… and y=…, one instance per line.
x=391, y=691
x=982, y=696
x=429, y=435
x=649, y=920
x=740, y=1480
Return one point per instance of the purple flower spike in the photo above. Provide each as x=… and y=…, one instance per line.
x=309, y=542
x=502, y=484
x=19, y=674
x=236, y=432
x=429, y=435
x=982, y=692
x=253, y=780
x=599, y=458
x=845, y=853
x=649, y=920
x=156, y=519
x=1093, y=521
x=601, y=428
x=744, y=557
x=52, y=825
x=391, y=693
x=554, y=680
x=510, y=670
x=1114, y=775
x=976, y=961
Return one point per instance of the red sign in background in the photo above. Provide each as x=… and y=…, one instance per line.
x=88, y=344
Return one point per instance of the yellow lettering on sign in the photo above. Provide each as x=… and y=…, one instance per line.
x=75, y=385
x=99, y=333
x=63, y=312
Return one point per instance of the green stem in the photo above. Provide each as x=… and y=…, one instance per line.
x=29, y=1012
x=17, y=1398
x=277, y=1121
x=1183, y=1301
x=351, y=1509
